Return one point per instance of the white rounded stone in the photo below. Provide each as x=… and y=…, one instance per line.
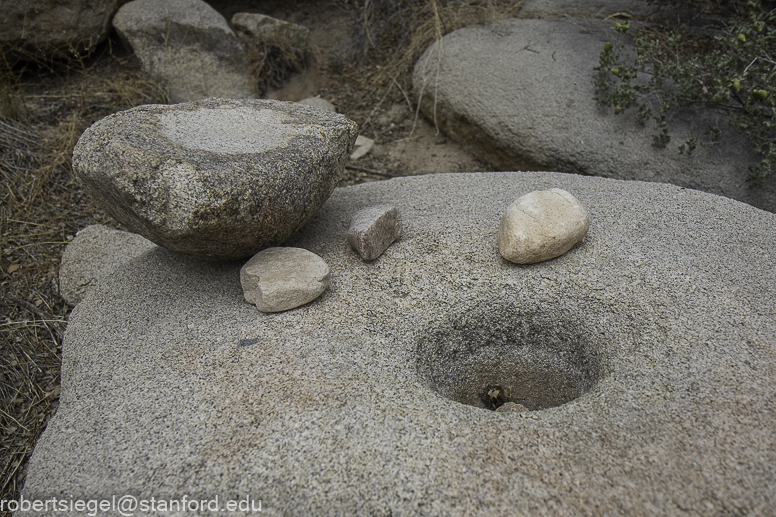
x=541, y=225
x=279, y=279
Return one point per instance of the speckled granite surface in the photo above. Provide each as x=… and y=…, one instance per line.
x=655, y=335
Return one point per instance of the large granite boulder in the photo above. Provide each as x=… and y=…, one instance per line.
x=650, y=347
x=55, y=28
x=217, y=179
x=188, y=46
x=520, y=94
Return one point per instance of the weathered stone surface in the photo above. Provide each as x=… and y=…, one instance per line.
x=321, y=104
x=279, y=279
x=373, y=229
x=268, y=29
x=216, y=179
x=663, y=323
x=93, y=253
x=53, y=28
x=541, y=225
x=188, y=46
x=520, y=94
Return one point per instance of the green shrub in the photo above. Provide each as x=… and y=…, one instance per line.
x=738, y=76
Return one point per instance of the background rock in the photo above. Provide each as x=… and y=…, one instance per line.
x=267, y=29
x=663, y=323
x=95, y=252
x=188, y=46
x=520, y=94
x=321, y=104
x=216, y=179
x=55, y=28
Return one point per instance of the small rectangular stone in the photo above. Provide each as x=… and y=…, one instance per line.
x=373, y=229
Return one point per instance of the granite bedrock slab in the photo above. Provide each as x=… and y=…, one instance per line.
x=661, y=321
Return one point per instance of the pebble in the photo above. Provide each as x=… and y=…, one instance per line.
x=542, y=225
x=279, y=279
x=373, y=229
x=511, y=407
x=363, y=146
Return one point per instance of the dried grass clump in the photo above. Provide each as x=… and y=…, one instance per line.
x=44, y=108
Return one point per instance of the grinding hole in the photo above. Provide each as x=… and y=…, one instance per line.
x=488, y=357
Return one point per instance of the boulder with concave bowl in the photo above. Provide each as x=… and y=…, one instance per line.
x=216, y=179
x=645, y=363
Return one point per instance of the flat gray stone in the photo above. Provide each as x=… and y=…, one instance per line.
x=218, y=179
x=373, y=229
x=189, y=46
x=662, y=326
x=94, y=253
x=280, y=279
x=520, y=94
x=363, y=146
x=541, y=225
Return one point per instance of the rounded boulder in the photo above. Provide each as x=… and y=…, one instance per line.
x=216, y=179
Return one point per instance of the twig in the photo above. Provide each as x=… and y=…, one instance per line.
x=406, y=97
x=27, y=305
x=16, y=421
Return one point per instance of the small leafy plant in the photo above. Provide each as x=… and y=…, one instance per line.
x=737, y=76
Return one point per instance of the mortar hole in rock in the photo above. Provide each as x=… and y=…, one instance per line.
x=489, y=356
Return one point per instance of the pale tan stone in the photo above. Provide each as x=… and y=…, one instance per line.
x=279, y=279
x=542, y=225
